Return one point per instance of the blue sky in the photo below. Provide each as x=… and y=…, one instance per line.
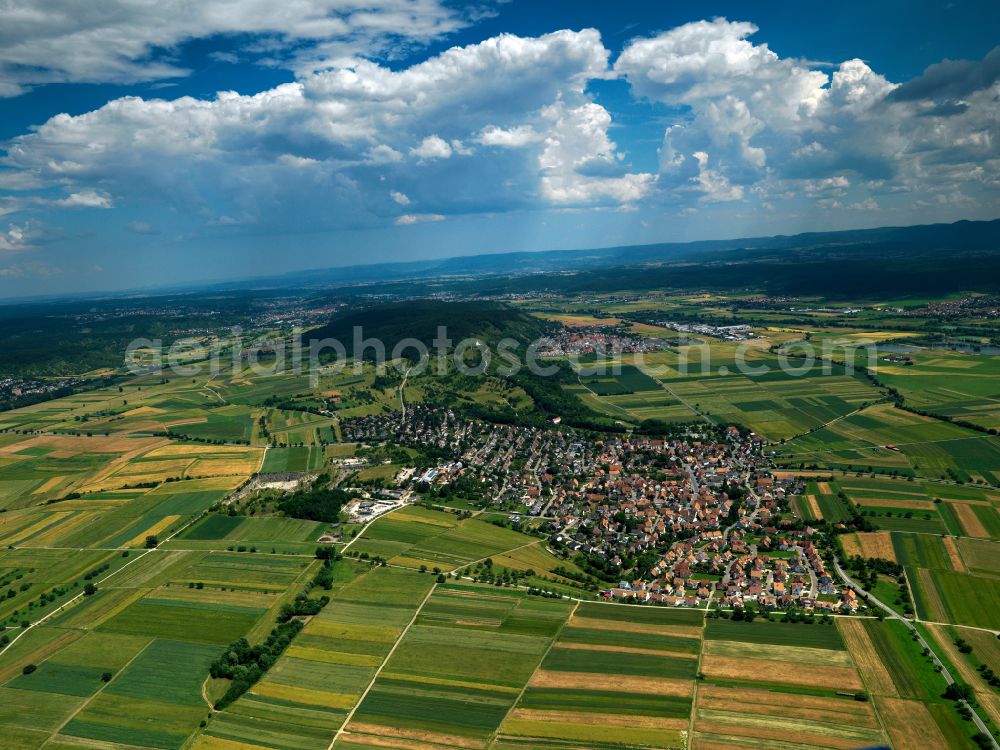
x=154, y=143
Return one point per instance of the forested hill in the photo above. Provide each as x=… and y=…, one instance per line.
x=391, y=323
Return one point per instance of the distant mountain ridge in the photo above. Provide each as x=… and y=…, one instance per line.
x=962, y=237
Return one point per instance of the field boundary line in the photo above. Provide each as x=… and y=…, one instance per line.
x=100, y=690
x=700, y=413
x=868, y=689
x=909, y=592
x=371, y=683
x=524, y=687
x=697, y=676
x=500, y=554
x=365, y=527
x=79, y=596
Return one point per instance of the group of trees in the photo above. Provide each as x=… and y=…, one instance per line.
x=320, y=502
x=991, y=677
x=245, y=664
x=749, y=612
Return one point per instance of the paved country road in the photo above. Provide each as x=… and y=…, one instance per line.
x=920, y=639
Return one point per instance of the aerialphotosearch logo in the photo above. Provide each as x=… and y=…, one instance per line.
x=239, y=354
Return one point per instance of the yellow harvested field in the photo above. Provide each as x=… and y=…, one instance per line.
x=187, y=449
x=204, y=742
x=752, y=670
x=684, y=631
x=50, y=484
x=171, y=468
x=143, y=411
x=394, y=743
x=73, y=446
x=792, y=654
x=333, y=657
x=428, y=680
x=873, y=671
x=910, y=725
x=850, y=545
x=51, y=536
x=869, y=544
x=310, y=697
x=824, y=488
x=877, y=544
x=207, y=467
x=953, y=554
x=814, y=508
x=351, y=632
x=970, y=521
x=157, y=528
x=199, y=485
x=46, y=519
x=987, y=647
x=931, y=594
x=543, y=678
x=779, y=474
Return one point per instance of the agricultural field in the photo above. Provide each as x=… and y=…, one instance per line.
x=409, y=652
x=905, y=688
x=307, y=695
x=415, y=536
x=613, y=675
x=888, y=440
x=959, y=385
x=984, y=650
x=944, y=585
x=127, y=664
x=708, y=379
x=36, y=469
x=299, y=428
x=458, y=670
x=764, y=679
x=296, y=459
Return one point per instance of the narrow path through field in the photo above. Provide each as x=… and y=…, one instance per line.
x=524, y=687
x=80, y=596
x=694, y=691
x=100, y=690
x=828, y=423
x=876, y=446
x=684, y=401
x=870, y=692
x=500, y=554
x=350, y=716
